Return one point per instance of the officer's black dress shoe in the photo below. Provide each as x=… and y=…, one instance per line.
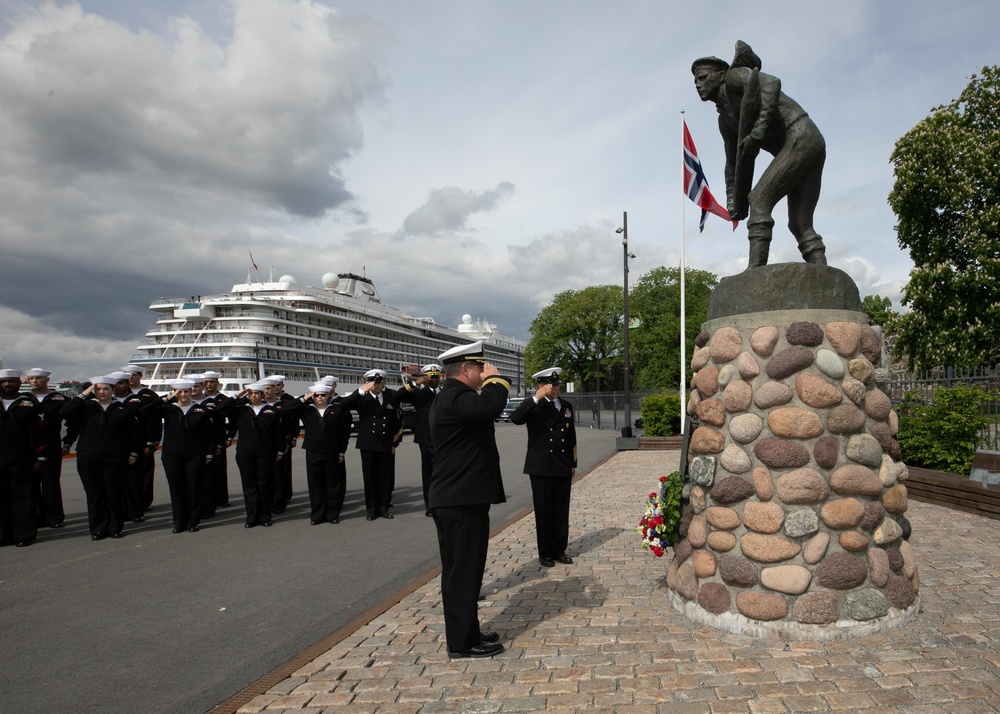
x=100, y=536
x=57, y=525
x=487, y=636
x=23, y=543
x=227, y=504
x=387, y=514
x=315, y=523
x=249, y=525
x=138, y=519
x=334, y=520
x=266, y=524
x=547, y=562
x=564, y=559
x=177, y=530
x=370, y=517
x=119, y=534
x=483, y=649
x=194, y=529
x=429, y=513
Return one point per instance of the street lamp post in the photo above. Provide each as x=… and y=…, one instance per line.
x=627, y=429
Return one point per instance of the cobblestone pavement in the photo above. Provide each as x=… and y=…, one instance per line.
x=599, y=635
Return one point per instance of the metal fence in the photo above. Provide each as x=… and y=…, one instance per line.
x=606, y=410
x=925, y=384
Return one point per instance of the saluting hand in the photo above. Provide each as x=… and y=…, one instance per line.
x=489, y=370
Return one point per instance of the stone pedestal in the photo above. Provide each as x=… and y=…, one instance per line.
x=795, y=526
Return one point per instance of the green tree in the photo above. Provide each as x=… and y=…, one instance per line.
x=880, y=312
x=580, y=331
x=654, y=345
x=946, y=198
x=944, y=434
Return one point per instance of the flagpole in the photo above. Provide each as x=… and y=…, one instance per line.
x=683, y=386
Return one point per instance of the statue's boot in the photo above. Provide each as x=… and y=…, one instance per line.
x=812, y=249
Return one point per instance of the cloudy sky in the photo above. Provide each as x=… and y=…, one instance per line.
x=468, y=156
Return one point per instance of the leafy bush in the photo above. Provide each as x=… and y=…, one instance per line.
x=944, y=434
x=661, y=414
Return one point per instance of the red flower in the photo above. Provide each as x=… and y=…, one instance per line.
x=652, y=497
x=662, y=479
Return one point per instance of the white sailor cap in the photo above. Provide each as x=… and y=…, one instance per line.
x=119, y=376
x=254, y=387
x=329, y=379
x=134, y=368
x=464, y=353
x=321, y=388
x=181, y=384
x=269, y=381
x=10, y=374
x=194, y=378
x=211, y=375
x=104, y=379
x=431, y=369
x=375, y=375
x=37, y=372
x=278, y=378
x=547, y=376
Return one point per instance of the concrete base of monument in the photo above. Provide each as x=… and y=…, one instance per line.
x=784, y=286
x=784, y=630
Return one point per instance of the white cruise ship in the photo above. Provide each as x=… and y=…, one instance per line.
x=304, y=333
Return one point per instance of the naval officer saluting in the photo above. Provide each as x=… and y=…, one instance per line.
x=466, y=481
x=550, y=462
x=420, y=394
x=379, y=432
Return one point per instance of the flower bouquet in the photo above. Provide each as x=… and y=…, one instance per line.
x=658, y=527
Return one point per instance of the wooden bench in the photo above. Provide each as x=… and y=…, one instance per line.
x=660, y=442
x=952, y=491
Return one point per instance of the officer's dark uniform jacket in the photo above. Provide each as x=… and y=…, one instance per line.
x=467, y=465
x=111, y=431
x=150, y=423
x=380, y=427
x=420, y=397
x=328, y=433
x=551, y=437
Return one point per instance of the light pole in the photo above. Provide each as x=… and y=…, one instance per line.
x=627, y=429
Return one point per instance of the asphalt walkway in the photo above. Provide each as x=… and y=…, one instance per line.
x=599, y=635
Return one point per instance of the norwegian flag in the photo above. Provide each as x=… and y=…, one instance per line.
x=696, y=185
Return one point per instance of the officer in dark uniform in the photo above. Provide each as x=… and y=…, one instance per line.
x=379, y=432
x=420, y=394
x=21, y=447
x=327, y=432
x=283, y=476
x=550, y=462
x=51, y=511
x=465, y=483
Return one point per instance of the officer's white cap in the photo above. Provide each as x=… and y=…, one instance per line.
x=133, y=368
x=119, y=376
x=104, y=379
x=375, y=373
x=37, y=372
x=547, y=375
x=463, y=353
x=10, y=374
x=181, y=384
x=432, y=368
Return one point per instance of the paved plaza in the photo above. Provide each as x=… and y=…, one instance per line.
x=599, y=635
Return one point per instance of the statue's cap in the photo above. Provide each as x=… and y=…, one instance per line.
x=710, y=62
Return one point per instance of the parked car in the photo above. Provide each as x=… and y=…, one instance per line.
x=509, y=409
